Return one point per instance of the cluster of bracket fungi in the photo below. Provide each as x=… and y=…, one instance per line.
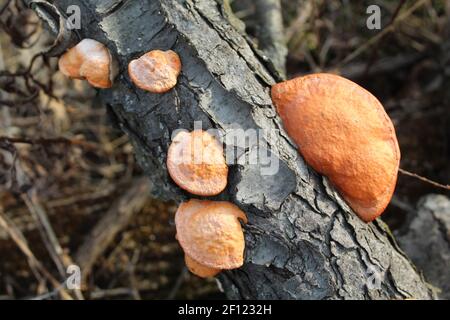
x=342, y=131
x=209, y=232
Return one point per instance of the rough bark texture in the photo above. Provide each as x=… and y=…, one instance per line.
x=426, y=239
x=302, y=241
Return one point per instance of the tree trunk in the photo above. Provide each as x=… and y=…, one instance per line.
x=302, y=240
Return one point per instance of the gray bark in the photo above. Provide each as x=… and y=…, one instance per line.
x=302, y=241
x=426, y=239
x=271, y=32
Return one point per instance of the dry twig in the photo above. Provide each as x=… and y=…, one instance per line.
x=117, y=217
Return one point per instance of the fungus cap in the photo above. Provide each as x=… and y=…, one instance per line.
x=90, y=60
x=344, y=133
x=196, y=163
x=199, y=269
x=156, y=71
x=210, y=233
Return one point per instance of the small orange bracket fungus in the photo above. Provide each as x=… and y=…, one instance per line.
x=344, y=133
x=211, y=235
x=156, y=71
x=90, y=60
x=196, y=163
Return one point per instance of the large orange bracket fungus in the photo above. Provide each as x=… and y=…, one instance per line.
x=156, y=71
x=90, y=60
x=196, y=163
x=211, y=235
x=344, y=133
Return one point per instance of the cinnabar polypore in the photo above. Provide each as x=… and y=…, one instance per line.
x=344, y=133
x=196, y=163
x=210, y=234
x=199, y=269
x=90, y=60
x=156, y=71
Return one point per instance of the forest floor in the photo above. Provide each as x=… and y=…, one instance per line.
x=69, y=164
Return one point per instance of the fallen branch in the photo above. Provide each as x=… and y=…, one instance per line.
x=302, y=240
x=271, y=34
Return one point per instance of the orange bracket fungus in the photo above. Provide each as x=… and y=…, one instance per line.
x=156, y=71
x=211, y=235
x=196, y=163
x=90, y=60
x=199, y=269
x=344, y=133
